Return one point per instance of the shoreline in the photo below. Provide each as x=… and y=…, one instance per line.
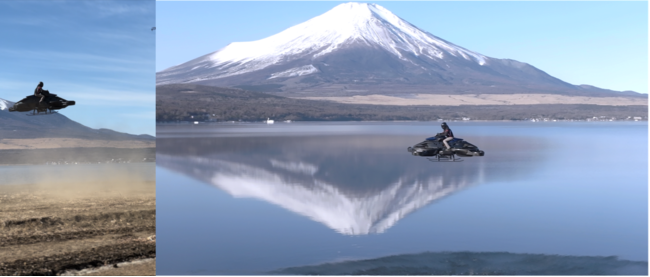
x=385, y=121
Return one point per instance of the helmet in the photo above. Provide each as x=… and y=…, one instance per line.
x=444, y=125
x=40, y=84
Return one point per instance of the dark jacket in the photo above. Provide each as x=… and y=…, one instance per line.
x=40, y=90
x=448, y=133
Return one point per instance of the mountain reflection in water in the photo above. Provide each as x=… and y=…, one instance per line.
x=355, y=185
x=349, y=191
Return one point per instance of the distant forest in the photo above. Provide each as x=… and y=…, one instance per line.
x=188, y=102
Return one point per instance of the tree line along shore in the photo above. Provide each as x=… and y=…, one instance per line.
x=175, y=103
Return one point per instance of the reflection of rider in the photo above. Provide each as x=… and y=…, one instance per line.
x=449, y=135
x=39, y=91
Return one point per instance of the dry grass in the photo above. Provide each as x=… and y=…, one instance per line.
x=482, y=99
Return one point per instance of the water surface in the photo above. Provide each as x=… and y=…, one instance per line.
x=250, y=198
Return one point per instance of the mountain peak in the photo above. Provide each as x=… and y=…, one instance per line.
x=356, y=15
x=343, y=26
x=362, y=49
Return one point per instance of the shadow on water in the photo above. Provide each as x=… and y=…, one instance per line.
x=354, y=184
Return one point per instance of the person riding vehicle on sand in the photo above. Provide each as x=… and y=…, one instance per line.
x=449, y=135
x=40, y=92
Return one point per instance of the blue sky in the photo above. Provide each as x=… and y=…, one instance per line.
x=597, y=43
x=99, y=53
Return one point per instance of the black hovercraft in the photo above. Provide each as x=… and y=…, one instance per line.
x=49, y=105
x=434, y=147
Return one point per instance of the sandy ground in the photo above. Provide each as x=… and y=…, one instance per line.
x=64, y=228
x=482, y=99
x=45, y=143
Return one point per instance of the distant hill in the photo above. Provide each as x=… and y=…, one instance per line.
x=18, y=125
x=191, y=102
x=56, y=139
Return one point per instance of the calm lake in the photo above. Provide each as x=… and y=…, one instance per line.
x=251, y=198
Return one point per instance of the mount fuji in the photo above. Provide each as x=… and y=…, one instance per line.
x=363, y=49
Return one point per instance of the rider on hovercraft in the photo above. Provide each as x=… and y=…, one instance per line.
x=40, y=92
x=42, y=102
x=449, y=135
x=445, y=145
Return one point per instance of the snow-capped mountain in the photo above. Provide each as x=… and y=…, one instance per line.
x=345, y=24
x=359, y=48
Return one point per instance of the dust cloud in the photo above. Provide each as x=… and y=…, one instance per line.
x=80, y=180
x=55, y=218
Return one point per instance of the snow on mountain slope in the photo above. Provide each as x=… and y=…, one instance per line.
x=348, y=23
x=4, y=104
x=296, y=71
x=360, y=49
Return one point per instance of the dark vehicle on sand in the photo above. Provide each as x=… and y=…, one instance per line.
x=49, y=105
x=433, y=147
